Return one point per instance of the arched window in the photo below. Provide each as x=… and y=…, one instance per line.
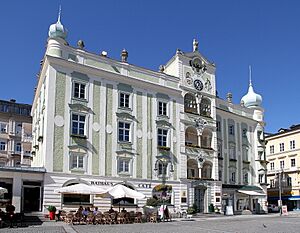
x=206, y=170
x=206, y=138
x=190, y=103
x=191, y=136
x=192, y=169
x=205, y=107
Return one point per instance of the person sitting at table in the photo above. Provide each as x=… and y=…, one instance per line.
x=123, y=210
x=85, y=212
x=96, y=211
x=111, y=210
x=80, y=209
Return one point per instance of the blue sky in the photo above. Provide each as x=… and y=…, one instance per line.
x=232, y=33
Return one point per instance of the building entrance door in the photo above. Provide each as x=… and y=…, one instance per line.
x=199, y=198
x=32, y=198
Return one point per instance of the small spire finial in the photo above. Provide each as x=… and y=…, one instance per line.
x=59, y=13
x=195, y=45
x=250, y=76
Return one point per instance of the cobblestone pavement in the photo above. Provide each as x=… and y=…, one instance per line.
x=235, y=224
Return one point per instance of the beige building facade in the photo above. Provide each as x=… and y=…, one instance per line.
x=283, y=155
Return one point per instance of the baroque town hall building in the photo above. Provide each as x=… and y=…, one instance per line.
x=101, y=121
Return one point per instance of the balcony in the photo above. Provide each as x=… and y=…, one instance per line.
x=3, y=154
x=15, y=153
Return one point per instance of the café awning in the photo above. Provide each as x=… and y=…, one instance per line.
x=80, y=189
x=251, y=193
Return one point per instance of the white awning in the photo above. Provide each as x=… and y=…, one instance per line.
x=251, y=193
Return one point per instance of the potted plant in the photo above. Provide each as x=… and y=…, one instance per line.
x=52, y=210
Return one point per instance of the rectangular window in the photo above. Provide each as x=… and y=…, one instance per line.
x=272, y=166
x=123, y=165
x=124, y=132
x=162, y=108
x=272, y=183
x=3, y=146
x=281, y=147
x=292, y=144
x=3, y=128
x=232, y=154
x=272, y=149
x=289, y=181
x=260, y=178
x=281, y=164
x=233, y=177
x=219, y=126
x=162, y=169
x=231, y=129
x=244, y=133
x=78, y=124
x=124, y=100
x=77, y=161
x=293, y=162
x=79, y=90
x=162, y=135
x=18, y=147
x=246, y=178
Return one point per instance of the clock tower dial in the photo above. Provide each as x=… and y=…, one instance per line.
x=198, y=85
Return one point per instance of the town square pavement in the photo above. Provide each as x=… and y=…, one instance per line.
x=271, y=223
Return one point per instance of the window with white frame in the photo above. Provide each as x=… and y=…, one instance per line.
x=79, y=90
x=272, y=166
x=219, y=126
x=3, y=146
x=18, y=128
x=123, y=165
x=293, y=162
x=77, y=161
x=162, y=135
x=78, y=124
x=272, y=149
x=260, y=178
x=162, y=168
x=281, y=147
x=272, y=183
x=246, y=177
x=124, y=99
x=244, y=133
x=281, y=164
x=289, y=181
x=231, y=129
x=18, y=147
x=3, y=127
x=292, y=144
x=232, y=153
x=162, y=108
x=124, y=131
x=232, y=177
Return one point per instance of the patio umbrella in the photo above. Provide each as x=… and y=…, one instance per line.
x=121, y=191
x=3, y=190
x=80, y=189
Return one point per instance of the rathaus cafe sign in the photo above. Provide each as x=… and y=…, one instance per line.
x=109, y=183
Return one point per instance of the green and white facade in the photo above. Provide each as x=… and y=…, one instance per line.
x=101, y=121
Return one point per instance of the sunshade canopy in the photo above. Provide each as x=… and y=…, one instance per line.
x=251, y=193
x=80, y=189
x=3, y=190
x=121, y=191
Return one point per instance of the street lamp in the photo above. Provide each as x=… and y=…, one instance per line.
x=161, y=164
x=281, y=179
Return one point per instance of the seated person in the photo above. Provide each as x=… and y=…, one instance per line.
x=123, y=210
x=96, y=211
x=85, y=212
x=111, y=210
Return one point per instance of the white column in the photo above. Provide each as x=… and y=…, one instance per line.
x=17, y=192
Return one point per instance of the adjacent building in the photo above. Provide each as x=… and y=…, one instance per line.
x=15, y=134
x=283, y=166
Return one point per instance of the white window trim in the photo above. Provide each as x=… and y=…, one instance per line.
x=85, y=91
x=167, y=108
x=6, y=127
x=129, y=159
x=84, y=155
x=86, y=120
x=229, y=129
x=167, y=139
x=130, y=131
x=5, y=145
x=130, y=100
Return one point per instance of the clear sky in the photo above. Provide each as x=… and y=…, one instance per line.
x=231, y=33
